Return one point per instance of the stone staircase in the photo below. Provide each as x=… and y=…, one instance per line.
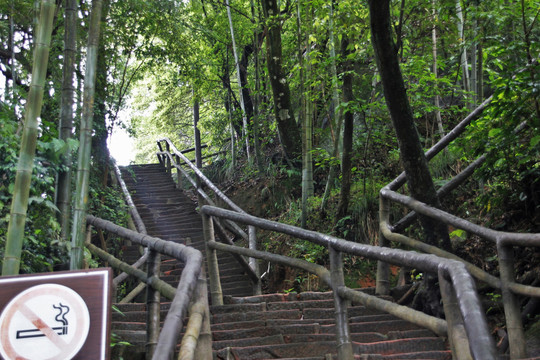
x=301, y=326
x=272, y=326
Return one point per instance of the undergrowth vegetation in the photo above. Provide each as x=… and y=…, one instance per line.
x=43, y=249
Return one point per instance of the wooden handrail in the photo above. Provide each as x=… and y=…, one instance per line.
x=504, y=241
x=181, y=296
x=463, y=284
x=170, y=157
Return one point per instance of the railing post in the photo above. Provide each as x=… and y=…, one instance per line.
x=383, y=269
x=152, y=306
x=343, y=336
x=514, y=325
x=211, y=261
x=457, y=335
x=204, y=345
x=168, y=159
x=253, y=263
x=160, y=156
x=178, y=172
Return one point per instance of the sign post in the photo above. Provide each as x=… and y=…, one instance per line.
x=56, y=316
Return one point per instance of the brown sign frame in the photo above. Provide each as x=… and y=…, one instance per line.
x=94, y=286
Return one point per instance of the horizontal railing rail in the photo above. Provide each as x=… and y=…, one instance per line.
x=192, y=286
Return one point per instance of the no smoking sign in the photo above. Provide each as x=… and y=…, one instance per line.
x=52, y=318
x=56, y=316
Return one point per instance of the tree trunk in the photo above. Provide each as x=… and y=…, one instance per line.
x=63, y=195
x=25, y=165
x=438, y=118
x=307, y=124
x=461, y=34
x=336, y=122
x=412, y=155
x=289, y=132
x=85, y=146
x=242, y=103
x=346, y=163
x=100, y=150
x=11, y=48
x=256, y=101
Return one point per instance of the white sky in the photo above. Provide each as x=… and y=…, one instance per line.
x=120, y=144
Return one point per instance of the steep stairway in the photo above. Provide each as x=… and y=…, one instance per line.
x=273, y=326
x=169, y=214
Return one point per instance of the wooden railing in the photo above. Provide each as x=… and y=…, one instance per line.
x=192, y=286
x=465, y=326
x=170, y=157
x=461, y=300
x=503, y=241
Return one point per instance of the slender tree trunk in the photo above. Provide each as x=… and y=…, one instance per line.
x=237, y=62
x=233, y=133
x=461, y=33
x=256, y=101
x=307, y=124
x=12, y=50
x=196, y=131
x=336, y=122
x=412, y=155
x=438, y=118
x=63, y=197
x=338, y=142
x=100, y=128
x=21, y=190
x=348, y=130
x=289, y=133
x=83, y=169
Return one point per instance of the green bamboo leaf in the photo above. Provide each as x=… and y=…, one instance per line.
x=494, y=132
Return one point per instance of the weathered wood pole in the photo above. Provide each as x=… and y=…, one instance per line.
x=457, y=335
x=216, y=293
x=343, y=336
x=512, y=312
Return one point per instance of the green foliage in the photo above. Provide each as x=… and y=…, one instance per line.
x=42, y=249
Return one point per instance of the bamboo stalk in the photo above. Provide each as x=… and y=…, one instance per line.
x=21, y=191
x=85, y=147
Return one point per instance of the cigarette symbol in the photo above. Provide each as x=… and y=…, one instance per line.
x=60, y=330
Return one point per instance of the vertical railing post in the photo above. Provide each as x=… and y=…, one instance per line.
x=457, y=336
x=160, y=156
x=253, y=263
x=204, y=345
x=514, y=325
x=343, y=336
x=178, y=172
x=211, y=260
x=168, y=159
x=383, y=269
x=152, y=305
